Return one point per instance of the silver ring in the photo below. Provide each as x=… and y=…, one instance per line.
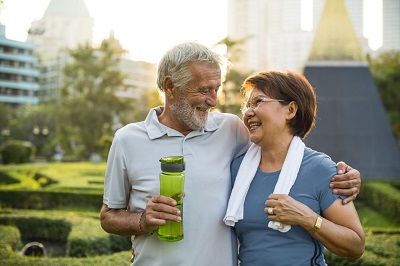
x=270, y=210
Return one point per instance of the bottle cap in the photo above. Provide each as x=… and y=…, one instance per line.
x=172, y=164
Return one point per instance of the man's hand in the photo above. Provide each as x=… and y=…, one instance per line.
x=347, y=182
x=158, y=211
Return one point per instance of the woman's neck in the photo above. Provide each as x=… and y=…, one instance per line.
x=273, y=155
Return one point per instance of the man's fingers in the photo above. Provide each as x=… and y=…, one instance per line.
x=341, y=167
x=160, y=209
x=346, y=192
x=349, y=199
x=163, y=199
x=343, y=185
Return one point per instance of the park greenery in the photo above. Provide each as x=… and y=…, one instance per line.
x=83, y=122
x=58, y=204
x=386, y=72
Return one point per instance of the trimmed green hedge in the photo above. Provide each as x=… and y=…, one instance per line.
x=45, y=200
x=6, y=179
x=382, y=248
x=10, y=238
x=383, y=197
x=16, y=151
x=82, y=233
x=13, y=259
x=39, y=227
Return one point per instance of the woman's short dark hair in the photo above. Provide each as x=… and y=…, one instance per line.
x=288, y=86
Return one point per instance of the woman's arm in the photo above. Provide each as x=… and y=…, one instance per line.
x=341, y=231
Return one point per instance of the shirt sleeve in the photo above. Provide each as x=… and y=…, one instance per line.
x=242, y=138
x=116, y=185
x=326, y=170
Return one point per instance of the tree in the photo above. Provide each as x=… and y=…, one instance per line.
x=33, y=123
x=88, y=94
x=386, y=71
x=5, y=118
x=231, y=97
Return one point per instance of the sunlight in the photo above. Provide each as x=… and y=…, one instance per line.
x=307, y=15
x=373, y=23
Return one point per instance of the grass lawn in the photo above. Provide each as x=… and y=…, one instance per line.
x=372, y=218
x=86, y=178
x=77, y=175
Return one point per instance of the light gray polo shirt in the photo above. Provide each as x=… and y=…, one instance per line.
x=132, y=178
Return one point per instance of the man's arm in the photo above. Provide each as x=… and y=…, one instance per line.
x=347, y=182
x=119, y=221
x=159, y=209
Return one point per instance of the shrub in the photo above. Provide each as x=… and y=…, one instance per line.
x=41, y=200
x=16, y=151
x=10, y=238
x=120, y=243
x=105, y=144
x=6, y=179
x=39, y=227
x=82, y=234
x=383, y=197
x=382, y=248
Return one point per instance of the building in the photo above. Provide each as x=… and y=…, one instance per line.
x=276, y=40
x=391, y=25
x=18, y=71
x=352, y=124
x=64, y=25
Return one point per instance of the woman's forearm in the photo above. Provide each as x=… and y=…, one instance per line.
x=340, y=240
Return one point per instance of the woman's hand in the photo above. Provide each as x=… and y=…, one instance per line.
x=289, y=211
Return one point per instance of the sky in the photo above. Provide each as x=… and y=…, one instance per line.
x=146, y=28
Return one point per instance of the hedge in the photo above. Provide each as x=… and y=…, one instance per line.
x=82, y=234
x=16, y=151
x=382, y=248
x=383, y=197
x=45, y=200
x=39, y=227
x=10, y=238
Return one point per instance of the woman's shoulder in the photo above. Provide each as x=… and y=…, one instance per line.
x=318, y=160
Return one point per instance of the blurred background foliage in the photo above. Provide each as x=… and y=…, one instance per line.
x=84, y=122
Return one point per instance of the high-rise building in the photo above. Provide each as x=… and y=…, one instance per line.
x=18, y=71
x=337, y=66
x=276, y=39
x=64, y=25
x=391, y=25
x=272, y=30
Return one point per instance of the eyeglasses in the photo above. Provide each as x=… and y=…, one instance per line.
x=256, y=101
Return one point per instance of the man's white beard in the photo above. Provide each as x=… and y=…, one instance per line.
x=187, y=115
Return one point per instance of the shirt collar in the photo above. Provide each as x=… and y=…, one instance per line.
x=156, y=130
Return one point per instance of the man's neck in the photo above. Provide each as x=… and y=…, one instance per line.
x=170, y=121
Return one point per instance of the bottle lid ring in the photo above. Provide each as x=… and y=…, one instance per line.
x=167, y=167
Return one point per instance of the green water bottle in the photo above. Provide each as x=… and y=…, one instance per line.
x=172, y=179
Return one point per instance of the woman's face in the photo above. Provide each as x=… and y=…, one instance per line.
x=265, y=118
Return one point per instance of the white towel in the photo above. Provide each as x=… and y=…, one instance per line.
x=246, y=173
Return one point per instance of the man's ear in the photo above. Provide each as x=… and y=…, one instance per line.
x=292, y=108
x=168, y=86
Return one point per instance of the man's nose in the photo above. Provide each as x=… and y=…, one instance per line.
x=211, y=99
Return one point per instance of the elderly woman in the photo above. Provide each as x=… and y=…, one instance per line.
x=281, y=206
